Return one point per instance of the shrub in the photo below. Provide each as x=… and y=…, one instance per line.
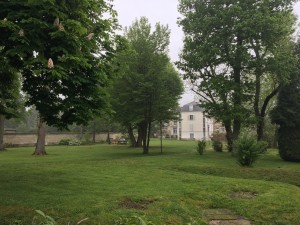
x=69, y=142
x=217, y=145
x=201, y=147
x=289, y=143
x=249, y=150
x=64, y=141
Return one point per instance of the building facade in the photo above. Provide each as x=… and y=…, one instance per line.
x=193, y=124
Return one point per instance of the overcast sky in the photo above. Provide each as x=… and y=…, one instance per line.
x=165, y=12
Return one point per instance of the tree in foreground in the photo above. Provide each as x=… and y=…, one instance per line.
x=10, y=97
x=149, y=87
x=287, y=115
x=229, y=50
x=65, y=49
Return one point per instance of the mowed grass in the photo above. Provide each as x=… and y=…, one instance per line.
x=110, y=184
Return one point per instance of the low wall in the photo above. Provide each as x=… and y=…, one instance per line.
x=51, y=138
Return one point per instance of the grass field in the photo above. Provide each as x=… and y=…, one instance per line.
x=111, y=184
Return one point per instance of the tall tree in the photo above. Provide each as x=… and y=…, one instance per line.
x=228, y=48
x=287, y=115
x=10, y=81
x=66, y=47
x=148, y=88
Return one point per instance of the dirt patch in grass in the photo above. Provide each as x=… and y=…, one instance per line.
x=140, y=204
x=223, y=217
x=244, y=194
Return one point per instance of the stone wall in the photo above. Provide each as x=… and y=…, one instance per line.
x=16, y=139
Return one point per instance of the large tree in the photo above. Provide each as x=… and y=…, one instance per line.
x=148, y=88
x=10, y=81
x=287, y=115
x=65, y=50
x=228, y=49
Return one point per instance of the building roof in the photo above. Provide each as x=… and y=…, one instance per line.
x=195, y=108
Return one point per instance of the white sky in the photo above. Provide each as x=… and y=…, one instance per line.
x=165, y=12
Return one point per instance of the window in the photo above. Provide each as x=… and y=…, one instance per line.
x=192, y=136
x=191, y=108
x=174, y=130
x=191, y=117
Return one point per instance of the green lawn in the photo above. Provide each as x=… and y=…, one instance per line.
x=110, y=184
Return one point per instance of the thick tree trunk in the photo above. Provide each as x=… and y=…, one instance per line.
x=143, y=128
x=131, y=137
x=260, y=128
x=41, y=139
x=2, y=146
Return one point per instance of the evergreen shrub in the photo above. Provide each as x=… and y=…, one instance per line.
x=201, y=145
x=249, y=150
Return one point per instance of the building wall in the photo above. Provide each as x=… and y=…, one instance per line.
x=30, y=139
x=191, y=126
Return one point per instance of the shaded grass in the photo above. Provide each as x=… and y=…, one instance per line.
x=111, y=183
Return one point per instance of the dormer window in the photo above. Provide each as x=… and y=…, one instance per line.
x=191, y=108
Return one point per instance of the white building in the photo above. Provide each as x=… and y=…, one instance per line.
x=193, y=125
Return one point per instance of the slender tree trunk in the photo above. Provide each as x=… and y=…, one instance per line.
x=94, y=132
x=161, y=144
x=2, y=146
x=41, y=139
x=108, y=137
x=148, y=136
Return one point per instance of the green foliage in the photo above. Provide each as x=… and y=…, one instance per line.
x=249, y=150
x=64, y=141
x=148, y=87
x=217, y=145
x=65, y=49
x=201, y=145
x=227, y=54
x=68, y=141
x=287, y=115
x=289, y=143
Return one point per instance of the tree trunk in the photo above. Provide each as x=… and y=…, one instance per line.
x=143, y=128
x=149, y=134
x=94, y=132
x=41, y=139
x=261, y=115
x=139, y=142
x=161, y=143
x=131, y=137
x=108, y=137
x=2, y=147
x=229, y=136
x=260, y=128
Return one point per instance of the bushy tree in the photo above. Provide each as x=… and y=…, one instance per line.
x=287, y=115
x=149, y=87
x=229, y=49
x=65, y=47
x=10, y=98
